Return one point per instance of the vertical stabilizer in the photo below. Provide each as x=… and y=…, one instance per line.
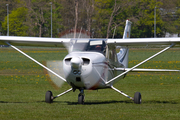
x=127, y=30
x=124, y=51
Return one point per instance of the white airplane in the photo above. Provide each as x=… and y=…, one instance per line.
x=93, y=63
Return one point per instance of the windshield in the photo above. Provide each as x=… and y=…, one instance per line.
x=88, y=45
x=79, y=45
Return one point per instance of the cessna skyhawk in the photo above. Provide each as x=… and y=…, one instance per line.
x=93, y=63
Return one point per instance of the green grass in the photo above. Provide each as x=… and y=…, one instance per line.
x=23, y=85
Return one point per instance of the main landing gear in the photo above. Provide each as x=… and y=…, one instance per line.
x=136, y=99
x=49, y=96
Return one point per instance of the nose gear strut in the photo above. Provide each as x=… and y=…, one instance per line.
x=81, y=96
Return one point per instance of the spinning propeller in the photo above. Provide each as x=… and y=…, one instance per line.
x=56, y=65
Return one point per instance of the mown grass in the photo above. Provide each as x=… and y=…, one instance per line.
x=23, y=85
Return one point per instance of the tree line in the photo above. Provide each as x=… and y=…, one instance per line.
x=101, y=18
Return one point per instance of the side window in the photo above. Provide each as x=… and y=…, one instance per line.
x=111, y=54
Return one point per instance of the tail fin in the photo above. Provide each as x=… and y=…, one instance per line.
x=124, y=51
x=127, y=30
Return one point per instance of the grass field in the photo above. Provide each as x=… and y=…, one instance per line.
x=23, y=85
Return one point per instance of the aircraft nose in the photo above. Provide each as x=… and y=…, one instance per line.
x=76, y=62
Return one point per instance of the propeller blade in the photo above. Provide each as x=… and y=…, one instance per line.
x=56, y=66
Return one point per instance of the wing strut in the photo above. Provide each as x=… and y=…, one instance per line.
x=140, y=63
x=36, y=61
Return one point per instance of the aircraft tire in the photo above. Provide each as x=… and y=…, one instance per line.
x=137, y=98
x=49, y=97
x=81, y=99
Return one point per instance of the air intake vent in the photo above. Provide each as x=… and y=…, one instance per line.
x=68, y=61
x=86, y=61
x=78, y=79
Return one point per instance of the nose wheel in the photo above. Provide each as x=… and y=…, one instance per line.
x=81, y=97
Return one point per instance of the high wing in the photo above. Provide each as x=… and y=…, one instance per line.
x=57, y=42
x=34, y=41
x=144, y=41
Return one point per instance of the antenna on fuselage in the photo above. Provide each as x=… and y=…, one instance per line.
x=80, y=33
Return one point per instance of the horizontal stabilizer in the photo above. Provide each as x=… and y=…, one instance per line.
x=147, y=70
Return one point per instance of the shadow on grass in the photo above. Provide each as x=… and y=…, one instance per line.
x=12, y=102
x=113, y=102
x=98, y=102
x=159, y=102
x=22, y=102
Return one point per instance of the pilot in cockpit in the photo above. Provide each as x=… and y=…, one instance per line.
x=98, y=48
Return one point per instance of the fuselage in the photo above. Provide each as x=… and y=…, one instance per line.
x=89, y=69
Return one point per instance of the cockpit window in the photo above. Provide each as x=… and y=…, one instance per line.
x=88, y=45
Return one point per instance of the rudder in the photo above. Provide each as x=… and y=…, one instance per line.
x=127, y=30
x=124, y=51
